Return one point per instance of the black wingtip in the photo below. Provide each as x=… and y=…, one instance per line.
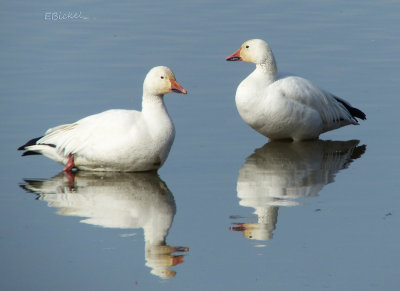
x=29, y=143
x=358, y=113
x=21, y=148
x=355, y=112
x=30, y=153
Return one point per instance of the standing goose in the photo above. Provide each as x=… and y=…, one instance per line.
x=286, y=107
x=117, y=139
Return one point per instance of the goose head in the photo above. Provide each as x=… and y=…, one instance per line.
x=161, y=80
x=254, y=51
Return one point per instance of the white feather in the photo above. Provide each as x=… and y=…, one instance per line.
x=281, y=106
x=117, y=139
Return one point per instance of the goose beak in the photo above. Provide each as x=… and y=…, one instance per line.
x=176, y=88
x=235, y=56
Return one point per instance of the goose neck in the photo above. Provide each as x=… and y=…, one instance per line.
x=152, y=102
x=269, y=69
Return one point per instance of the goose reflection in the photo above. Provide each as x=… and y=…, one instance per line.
x=118, y=200
x=281, y=172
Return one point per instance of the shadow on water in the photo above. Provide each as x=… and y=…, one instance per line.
x=118, y=200
x=280, y=172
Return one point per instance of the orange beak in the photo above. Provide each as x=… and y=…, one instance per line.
x=235, y=56
x=175, y=87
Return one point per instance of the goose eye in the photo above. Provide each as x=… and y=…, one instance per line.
x=162, y=77
x=247, y=46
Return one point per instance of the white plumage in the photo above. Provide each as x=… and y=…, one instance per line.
x=117, y=140
x=282, y=106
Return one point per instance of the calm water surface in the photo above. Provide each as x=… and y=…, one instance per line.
x=228, y=210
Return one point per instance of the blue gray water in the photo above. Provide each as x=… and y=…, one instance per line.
x=228, y=211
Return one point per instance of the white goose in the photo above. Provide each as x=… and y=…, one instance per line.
x=117, y=139
x=282, y=107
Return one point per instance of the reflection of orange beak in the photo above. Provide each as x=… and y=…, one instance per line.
x=235, y=56
x=175, y=87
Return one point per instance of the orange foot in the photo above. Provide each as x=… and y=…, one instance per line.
x=70, y=164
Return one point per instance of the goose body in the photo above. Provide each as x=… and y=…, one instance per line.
x=117, y=139
x=283, y=106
